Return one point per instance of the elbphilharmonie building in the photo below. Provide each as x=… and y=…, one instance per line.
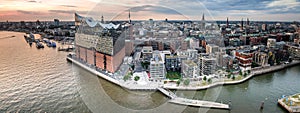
x=99, y=44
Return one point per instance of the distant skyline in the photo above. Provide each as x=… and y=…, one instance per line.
x=235, y=10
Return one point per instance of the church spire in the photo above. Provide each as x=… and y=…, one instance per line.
x=227, y=23
x=129, y=16
x=242, y=24
x=203, y=22
x=102, y=19
x=248, y=22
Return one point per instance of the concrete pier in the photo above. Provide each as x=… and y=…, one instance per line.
x=192, y=102
x=199, y=103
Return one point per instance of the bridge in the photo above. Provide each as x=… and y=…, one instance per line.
x=167, y=93
x=191, y=102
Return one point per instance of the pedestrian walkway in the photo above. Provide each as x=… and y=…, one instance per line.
x=167, y=93
x=191, y=102
x=199, y=103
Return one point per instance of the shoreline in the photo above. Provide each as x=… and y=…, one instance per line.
x=253, y=74
x=108, y=78
x=155, y=86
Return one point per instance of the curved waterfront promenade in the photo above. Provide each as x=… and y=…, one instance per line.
x=155, y=87
x=113, y=80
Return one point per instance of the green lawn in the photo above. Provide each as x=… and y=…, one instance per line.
x=173, y=75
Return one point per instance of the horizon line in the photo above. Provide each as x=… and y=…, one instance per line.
x=156, y=20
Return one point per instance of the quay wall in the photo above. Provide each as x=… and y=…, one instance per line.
x=110, y=79
x=253, y=74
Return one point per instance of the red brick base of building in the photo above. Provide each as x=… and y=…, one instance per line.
x=100, y=60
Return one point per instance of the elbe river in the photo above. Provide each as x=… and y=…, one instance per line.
x=41, y=80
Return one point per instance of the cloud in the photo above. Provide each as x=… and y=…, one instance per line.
x=29, y=12
x=33, y=1
x=284, y=6
x=153, y=9
x=284, y=3
x=71, y=11
x=62, y=11
x=96, y=1
x=68, y=5
x=193, y=9
x=251, y=7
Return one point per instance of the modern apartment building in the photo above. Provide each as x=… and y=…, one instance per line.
x=207, y=64
x=245, y=59
x=189, y=69
x=157, y=66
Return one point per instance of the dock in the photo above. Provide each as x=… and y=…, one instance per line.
x=192, y=102
x=291, y=103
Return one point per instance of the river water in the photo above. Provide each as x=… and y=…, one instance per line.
x=41, y=80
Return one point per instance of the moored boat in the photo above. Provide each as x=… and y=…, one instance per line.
x=39, y=45
x=53, y=44
x=30, y=44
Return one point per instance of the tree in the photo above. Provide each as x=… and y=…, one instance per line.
x=180, y=79
x=126, y=77
x=209, y=80
x=204, y=78
x=245, y=74
x=241, y=72
x=130, y=73
x=186, y=82
x=136, y=78
x=178, y=82
x=229, y=76
x=132, y=67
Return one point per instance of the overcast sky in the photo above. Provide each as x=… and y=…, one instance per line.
x=261, y=10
